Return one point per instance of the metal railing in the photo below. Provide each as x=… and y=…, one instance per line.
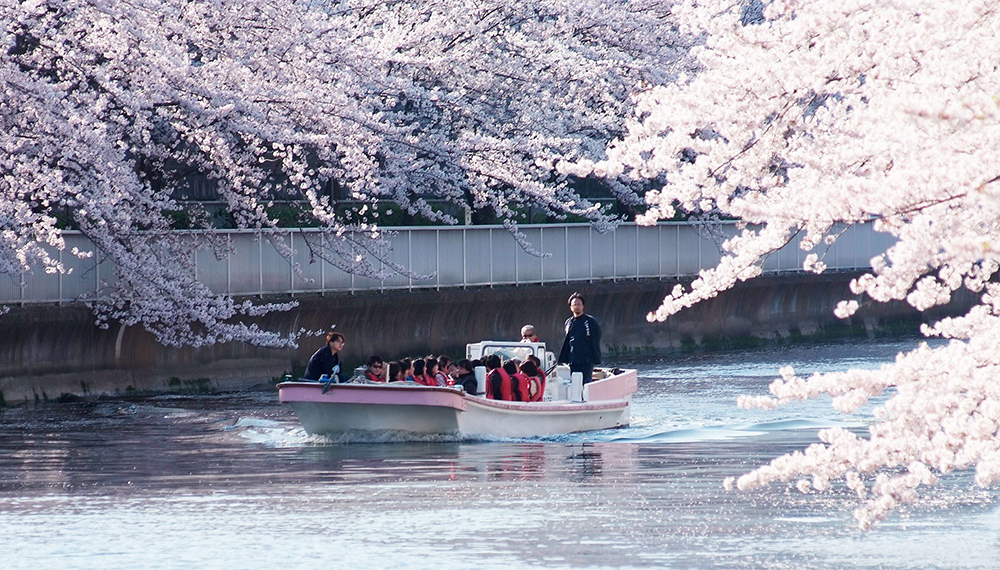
x=455, y=256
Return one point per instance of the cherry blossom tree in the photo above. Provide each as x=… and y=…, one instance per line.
x=106, y=103
x=809, y=115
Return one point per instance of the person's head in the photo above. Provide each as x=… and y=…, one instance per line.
x=407, y=366
x=376, y=364
x=418, y=367
x=335, y=341
x=576, y=304
x=492, y=362
x=511, y=367
x=528, y=333
x=395, y=372
x=431, y=366
x=463, y=366
x=443, y=362
x=534, y=360
x=528, y=368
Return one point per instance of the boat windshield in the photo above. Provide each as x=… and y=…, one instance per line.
x=507, y=352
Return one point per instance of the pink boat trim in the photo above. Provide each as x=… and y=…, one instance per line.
x=385, y=394
x=411, y=395
x=547, y=406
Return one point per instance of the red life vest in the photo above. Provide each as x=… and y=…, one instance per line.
x=537, y=383
x=523, y=386
x=430, y=380
x=374, y=377
x=506, y=387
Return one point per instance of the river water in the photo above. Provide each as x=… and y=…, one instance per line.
x=232, y=481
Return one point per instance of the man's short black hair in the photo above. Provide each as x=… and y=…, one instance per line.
x=374, y=359
x=492, y=361
x=576, y=296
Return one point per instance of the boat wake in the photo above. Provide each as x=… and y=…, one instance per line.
x=270, y=433
x=273, y=433
x=724, y=432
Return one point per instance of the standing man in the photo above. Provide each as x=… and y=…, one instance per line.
x=582, y=347
x=326, y=360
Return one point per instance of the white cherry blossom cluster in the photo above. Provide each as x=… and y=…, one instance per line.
x=816, y=114
x=105, y=105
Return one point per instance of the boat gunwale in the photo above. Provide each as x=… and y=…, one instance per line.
x=549, y=406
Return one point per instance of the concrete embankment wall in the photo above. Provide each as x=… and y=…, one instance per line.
x=48, y=351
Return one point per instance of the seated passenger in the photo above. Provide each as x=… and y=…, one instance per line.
x=376, y=369
x=464, y=376
x=519, y=382
x=430, y=371
x=444, y=363
x=408, y=370
x=528, y=334
x=442, y=371
x=499, y=385
x=536, y=380
x=538, y=364
x=397, y=371
x=420, y=373
x=417, y=373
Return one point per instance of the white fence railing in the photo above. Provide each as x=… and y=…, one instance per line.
x=457, y=256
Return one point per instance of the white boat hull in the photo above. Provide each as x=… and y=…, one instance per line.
x=427, y=410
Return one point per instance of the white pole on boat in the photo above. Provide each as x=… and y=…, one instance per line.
x=576, y=387
x=480, y=380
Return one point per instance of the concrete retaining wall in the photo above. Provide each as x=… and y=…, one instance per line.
x=47, y=351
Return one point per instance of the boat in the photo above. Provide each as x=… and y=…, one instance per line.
x=567, y=407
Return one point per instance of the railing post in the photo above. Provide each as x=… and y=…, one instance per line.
x=836, y=251
x=59, y=275
x=590, y=251
x=229, y=263
x=517, y=273
x=490, y=232
x=871, y=241
x=614, y=256
x=566, y=253
x=636, y=257
x=659, y=251
x=437, y=259
x=677, y=251
x=322, y=273
x=700, y=262
x=541, y=260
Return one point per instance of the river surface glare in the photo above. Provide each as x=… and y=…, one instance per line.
x=232, y=481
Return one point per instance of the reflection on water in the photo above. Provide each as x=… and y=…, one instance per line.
x=232, y=481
